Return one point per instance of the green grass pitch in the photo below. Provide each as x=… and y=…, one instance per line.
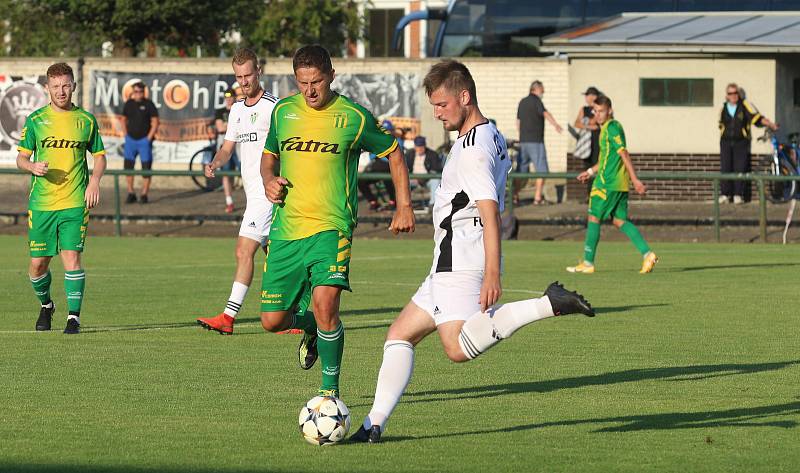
x=694, y=368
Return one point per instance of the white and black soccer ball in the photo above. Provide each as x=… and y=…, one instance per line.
x=324, y=420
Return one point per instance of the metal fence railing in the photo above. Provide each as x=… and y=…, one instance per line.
x=715, y=178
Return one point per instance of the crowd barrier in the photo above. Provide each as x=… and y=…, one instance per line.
x=715, y=178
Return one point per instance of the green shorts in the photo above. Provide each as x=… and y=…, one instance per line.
x=49, y=232
x=295, y=267
x=604, y=204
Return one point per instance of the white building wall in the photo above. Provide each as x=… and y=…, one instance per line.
x=673, y=129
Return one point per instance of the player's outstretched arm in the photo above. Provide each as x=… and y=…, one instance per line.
x=222, y=156
x=92, y=196
x=403, y=220
x=491, y=289
x=274, y=186
x=638, y=185
x=24, y=163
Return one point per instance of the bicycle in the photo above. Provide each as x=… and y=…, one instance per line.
x=784, y=162
x=198, y=162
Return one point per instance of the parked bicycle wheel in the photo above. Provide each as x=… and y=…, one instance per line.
x=782, y=191
x=197, y=163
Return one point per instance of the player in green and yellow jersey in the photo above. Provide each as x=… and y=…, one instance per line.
x=62, y=192
x=316, y=137
x=609, y=197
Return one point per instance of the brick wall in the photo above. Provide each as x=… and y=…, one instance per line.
x=667, y=189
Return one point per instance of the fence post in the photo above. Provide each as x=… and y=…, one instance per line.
x=117, y=211
x=762, y=210
x=510, y=196
x=715, y=184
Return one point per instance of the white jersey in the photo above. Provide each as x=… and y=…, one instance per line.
x=476, y=169
x=248, y=126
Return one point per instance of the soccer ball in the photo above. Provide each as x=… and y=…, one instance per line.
x=324, y=420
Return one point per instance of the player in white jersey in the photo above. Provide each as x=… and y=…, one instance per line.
x=248, y=124
x=458, y=297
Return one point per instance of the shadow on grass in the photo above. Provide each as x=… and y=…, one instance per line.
x=672, y=374
x=20, y=468
x=738, y=417
x=729, y=266
x=624, y=308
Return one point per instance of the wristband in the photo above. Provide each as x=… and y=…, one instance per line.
x=590, y=171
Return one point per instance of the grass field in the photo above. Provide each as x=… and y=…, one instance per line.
x=694, y=368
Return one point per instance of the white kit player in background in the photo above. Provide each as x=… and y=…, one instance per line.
x=248, y=124
x=458, y=297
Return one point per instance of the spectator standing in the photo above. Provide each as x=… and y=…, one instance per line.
x=531, y=114
x=587, y=123
x=423, y=160
x=381, y=165
x=139, y=124
x=221, y=127
x=736, y=118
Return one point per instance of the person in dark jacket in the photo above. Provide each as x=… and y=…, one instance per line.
x=423, y=160
x=736, y=118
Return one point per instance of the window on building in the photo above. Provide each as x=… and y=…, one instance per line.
x=676, y=92
x=380, y=31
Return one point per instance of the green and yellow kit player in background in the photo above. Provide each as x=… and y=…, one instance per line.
x=309, y=169
x=613, y=173
x=58, y=136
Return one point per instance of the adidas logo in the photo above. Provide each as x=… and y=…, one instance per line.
x=252, y=224
x=436, y=310
x=291, y=116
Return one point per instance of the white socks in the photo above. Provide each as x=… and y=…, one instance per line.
x=228, y=200
x=396, y=369
x=238, y=293
x=485, y=329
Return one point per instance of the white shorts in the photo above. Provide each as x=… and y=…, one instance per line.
x=450, y=296
x=256, y=220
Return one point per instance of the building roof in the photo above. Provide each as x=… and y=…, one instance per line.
x=722, y=32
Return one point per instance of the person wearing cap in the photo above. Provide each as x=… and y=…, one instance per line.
x=220, y=128
x=423, y=160
x=586, y=121
x=531, y=115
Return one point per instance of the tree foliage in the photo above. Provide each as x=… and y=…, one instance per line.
x=282, y=26
x=79, y=27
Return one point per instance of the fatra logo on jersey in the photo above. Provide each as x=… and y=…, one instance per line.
x=296, y=143
x=52, y=142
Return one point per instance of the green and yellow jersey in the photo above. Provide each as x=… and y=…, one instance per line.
x=611, y=172
x=62, y=139
x=318, y=152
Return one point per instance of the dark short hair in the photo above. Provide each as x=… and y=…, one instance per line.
x=453, y=76
x=312, y=55
x=242, y=55
x=139, y=85
x=60, y=69
x=603, y=100
x=536, y=83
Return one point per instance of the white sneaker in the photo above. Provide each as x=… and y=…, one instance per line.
x=723, y=199
x=737, y=199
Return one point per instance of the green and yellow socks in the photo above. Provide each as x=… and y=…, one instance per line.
x=330, y=346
